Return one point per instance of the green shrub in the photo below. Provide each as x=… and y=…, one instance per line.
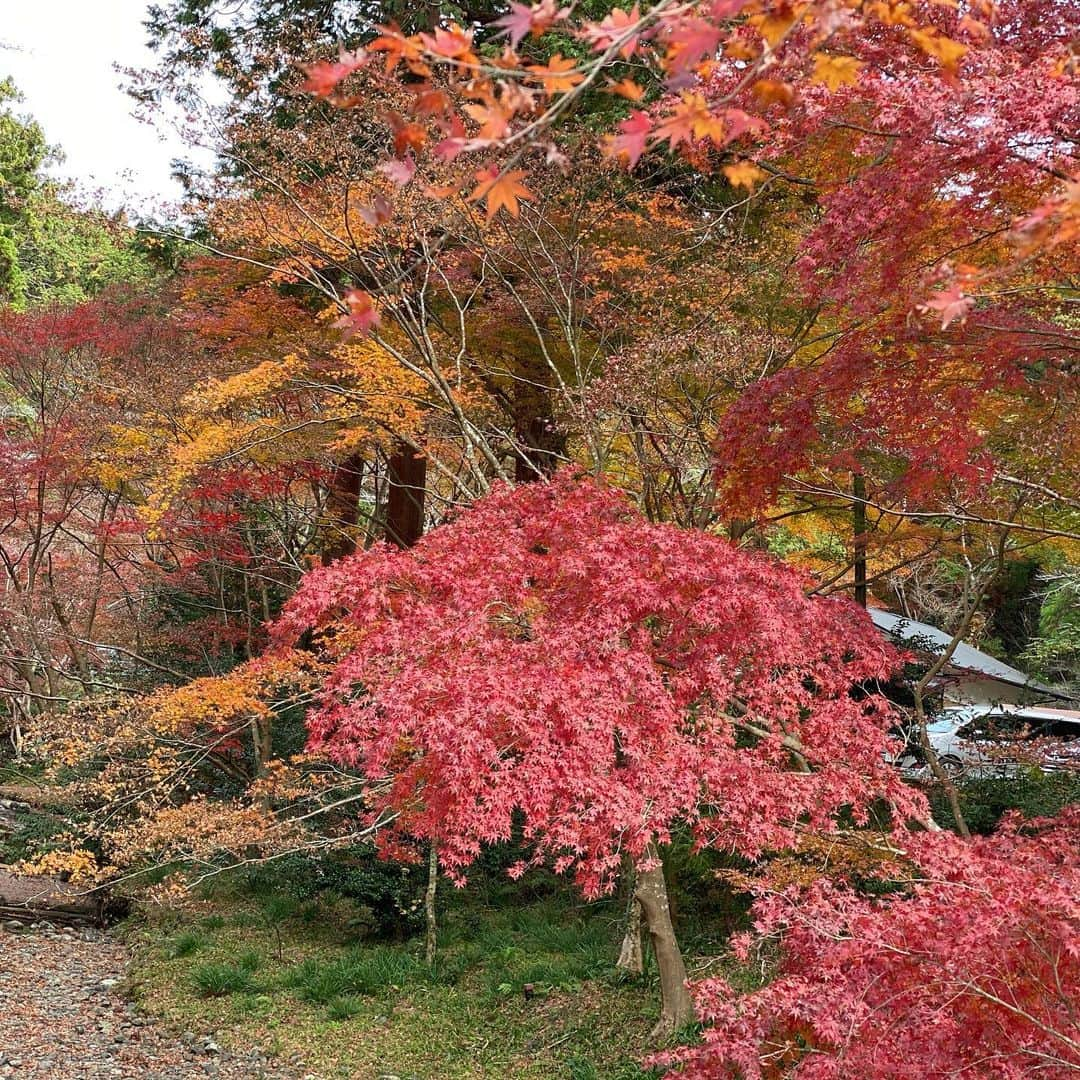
x=34, y=833
x=387, y=895
x=984, y=801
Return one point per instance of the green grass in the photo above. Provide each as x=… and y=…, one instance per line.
x=217, y=980
x=343, y=1008
x=358, y=971
x=358, y=1010
x=186, y=944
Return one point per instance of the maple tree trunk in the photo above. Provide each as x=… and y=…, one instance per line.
x=541, y=449
x=858, y=510
x=738, y=528
x=431, y=940
x=676, y=1007
x=630, y=954
x=405, y=496
x=942, y=777
x=261, y=742
x=342, y=509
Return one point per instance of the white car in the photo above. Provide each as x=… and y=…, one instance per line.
x=999, y=740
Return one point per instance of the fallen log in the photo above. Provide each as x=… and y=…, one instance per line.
x=31, y=915
x=33, y=899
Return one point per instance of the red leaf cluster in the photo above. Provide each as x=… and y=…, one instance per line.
x=553, y=654
x=974, y=970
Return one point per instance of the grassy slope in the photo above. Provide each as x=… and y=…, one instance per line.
x=366, y=1010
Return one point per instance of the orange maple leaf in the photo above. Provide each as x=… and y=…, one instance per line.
x=691, y=119
x=501, y=191
x=399, y=48
x=773, y=92
x=407, y=134
x=626, y=88
x=743, y=174
x=494, y=120
x=558, y=76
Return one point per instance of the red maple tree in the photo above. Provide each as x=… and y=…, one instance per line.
x=552, y=655
x=973, y=969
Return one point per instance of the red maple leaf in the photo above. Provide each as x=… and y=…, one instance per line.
x=361, y=317
x=399, y=170
x=323, y=77
x=629, y=144
x=952, y=304
x=615, y=26
x=523, y=20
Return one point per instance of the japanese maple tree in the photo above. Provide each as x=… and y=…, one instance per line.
x=972, y=968
x=551, y=654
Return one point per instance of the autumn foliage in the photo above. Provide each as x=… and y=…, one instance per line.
x=552, y=654
x=971, y=966
x=605, y=301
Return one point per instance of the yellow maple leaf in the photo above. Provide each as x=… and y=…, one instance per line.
x=774, y=25
x=939, y=46
x=744, y=174
x=892, y=14
x=501, y=191
x=836, y=71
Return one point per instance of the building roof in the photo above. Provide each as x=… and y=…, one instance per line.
x=922, y=637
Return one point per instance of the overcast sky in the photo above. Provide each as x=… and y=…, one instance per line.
x=61, y=55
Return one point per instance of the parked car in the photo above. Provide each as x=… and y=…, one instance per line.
x=998, y=740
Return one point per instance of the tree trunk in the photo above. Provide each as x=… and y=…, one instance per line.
x=630, y=955
x=431, y=940
x=541, y=448
x=858, y=510
x=405, y=496
x=262, y=742
x=676, y=1007
x=342, y=509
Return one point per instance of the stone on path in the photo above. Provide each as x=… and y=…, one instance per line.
x=61, y=1018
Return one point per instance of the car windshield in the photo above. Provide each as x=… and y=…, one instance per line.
x=944, y=723
x=995, y=726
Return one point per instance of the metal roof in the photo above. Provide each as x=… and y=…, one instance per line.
x=922, y=637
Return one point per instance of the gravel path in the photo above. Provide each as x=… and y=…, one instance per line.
x=62, y=1019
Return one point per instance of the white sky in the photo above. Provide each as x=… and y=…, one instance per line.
x=62, y=60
